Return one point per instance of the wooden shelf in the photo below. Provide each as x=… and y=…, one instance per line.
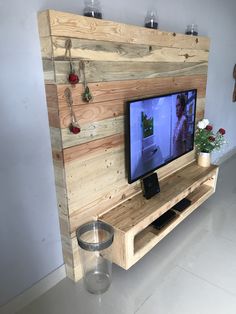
x=132, y=220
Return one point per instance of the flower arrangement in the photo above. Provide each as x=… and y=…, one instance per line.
x=206, y=140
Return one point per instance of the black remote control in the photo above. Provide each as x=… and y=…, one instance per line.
x=164, y=219
x=182, y=205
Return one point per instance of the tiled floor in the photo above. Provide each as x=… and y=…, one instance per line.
x=192, y=271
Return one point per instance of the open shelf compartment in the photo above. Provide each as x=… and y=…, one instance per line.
x=132, y=220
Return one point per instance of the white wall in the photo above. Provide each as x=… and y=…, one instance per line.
x=29, y=232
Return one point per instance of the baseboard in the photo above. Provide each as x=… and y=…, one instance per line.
x=34, y=292
x=226, y=156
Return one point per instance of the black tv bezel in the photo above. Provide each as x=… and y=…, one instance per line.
x=127, y=133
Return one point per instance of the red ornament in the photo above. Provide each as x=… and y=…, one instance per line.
x=208, y=127
x=211, y=138
x=73, y=78
x=221, y=131
x=74, y=129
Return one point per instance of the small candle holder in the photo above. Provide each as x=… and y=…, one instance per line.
x=93, y=9
x=192, y=29
x=151, y=19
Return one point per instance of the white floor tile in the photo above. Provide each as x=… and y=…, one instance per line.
x=183, y=293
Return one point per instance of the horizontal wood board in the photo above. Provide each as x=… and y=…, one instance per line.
x=54, y=48
x=135, y=211
x=106, y=71
x=64, y=24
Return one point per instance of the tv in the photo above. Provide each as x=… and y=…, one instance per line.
x=159, y=130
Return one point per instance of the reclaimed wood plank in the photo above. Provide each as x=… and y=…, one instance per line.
x=44, y=24
x=96, y=206
x=108, y=91
x=141, y=212
x=101, y=111
x=100, y=71
x=88, y=150
x=70, y=25
x=111, y=51
x=52, y=96
x=93, y=131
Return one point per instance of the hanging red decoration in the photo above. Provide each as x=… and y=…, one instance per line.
x=74, y=126
x=73, y=78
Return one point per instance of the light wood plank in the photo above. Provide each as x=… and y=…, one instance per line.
x=96, y=206
x=71, y=25
x=93, y=131
x=44, y=24
x=52, y=96
x=139, y=212
x=100, y=112
x=125, y=90
x=111, y=51
x=93, y=149
x=105, y=71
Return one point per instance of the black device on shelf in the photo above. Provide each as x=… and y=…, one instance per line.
x=150, y=186
x=182, y=205
x=164, y=219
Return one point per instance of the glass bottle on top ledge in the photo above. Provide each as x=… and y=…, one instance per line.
x=151, y=19
x=93, y=9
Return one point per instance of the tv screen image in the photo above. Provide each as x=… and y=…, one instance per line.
x=158, y=130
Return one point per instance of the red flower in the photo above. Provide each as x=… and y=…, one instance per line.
x=74, y=129
x=221, y=131
x=208, y=127
x=73, y=78
x=211, y=138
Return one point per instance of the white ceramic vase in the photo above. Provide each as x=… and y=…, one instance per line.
x=204, y=159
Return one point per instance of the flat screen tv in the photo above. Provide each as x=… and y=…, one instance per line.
x=159, y=129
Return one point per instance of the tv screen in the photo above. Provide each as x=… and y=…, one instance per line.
x=158, y=130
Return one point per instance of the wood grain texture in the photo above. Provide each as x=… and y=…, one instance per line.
x=133, y=225
x=52, y=96
x=139, y=211
x=110, y=97
x=116, y=194
x=106, y=71
x=130, y=89
x=91, y=149
x=93, y=131
x=70, y=25
x=44, y=24
x=99, y=113
x=111, y=51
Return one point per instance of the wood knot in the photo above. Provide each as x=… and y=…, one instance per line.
x=186, y=56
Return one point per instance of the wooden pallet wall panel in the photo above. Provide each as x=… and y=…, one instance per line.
x=122, y=62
